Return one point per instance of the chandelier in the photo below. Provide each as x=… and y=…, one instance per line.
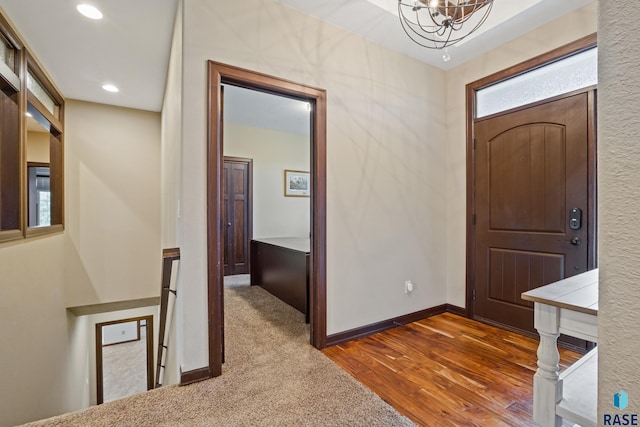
x=436, y=24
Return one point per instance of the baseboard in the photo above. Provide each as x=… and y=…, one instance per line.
x=373, y=328
x=454, y=309
x=194, y=376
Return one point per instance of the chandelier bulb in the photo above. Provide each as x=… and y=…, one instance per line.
x=445, y=55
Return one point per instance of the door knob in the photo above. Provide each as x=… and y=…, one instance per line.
x=229, y=224
x=576, y=241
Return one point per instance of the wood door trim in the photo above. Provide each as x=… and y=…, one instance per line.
x=99, y=358
x=218, y=74
x=472, y=88
x=249, y=234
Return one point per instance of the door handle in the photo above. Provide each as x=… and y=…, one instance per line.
x=229, y=224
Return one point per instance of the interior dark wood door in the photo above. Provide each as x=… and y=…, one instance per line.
x=532, y=169
x=237, y=214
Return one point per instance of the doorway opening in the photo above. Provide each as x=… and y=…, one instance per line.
x=220, y=75
x=124, y=358
x=530, y=165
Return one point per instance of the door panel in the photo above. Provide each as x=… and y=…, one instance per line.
x=237, y=214
x=531, y=170
x=240, y=174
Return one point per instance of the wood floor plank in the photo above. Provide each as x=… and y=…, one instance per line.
x=448, y=370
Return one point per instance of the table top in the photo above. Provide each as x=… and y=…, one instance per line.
x=301, y=244
x=577, y=293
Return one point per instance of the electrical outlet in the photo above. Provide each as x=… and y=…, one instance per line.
x=408, y=287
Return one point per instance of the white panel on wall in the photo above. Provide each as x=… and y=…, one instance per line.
x=119, y=332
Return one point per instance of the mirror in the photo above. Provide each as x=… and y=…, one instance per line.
x=124, y=358
x=38, y=154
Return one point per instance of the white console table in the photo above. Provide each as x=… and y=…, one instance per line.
x=570, y=307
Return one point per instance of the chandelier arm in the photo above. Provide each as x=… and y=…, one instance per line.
x=418, y=42
x=482, y=20
x=432, y=36
x=412, y=24
x=412, y=34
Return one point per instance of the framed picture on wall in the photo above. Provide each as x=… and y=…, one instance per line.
x=297, y=183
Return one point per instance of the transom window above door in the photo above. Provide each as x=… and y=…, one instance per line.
x=563, y=76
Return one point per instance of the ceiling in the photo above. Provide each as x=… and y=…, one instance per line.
x=268, y=111
x=125, y=48
x=130, y=46
x=374, y=20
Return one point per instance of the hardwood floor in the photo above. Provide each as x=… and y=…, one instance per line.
x=448, y=371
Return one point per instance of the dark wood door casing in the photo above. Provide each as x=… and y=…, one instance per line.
x=148, y=352
x=579, y=45
x=219, y=74
x=237, y=214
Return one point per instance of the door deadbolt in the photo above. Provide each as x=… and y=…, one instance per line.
x=575, y=219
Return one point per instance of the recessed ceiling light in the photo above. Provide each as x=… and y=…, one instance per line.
x=89, y=11
x=28, y=114
x=110, y=88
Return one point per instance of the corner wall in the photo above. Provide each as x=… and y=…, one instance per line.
x=619, y=200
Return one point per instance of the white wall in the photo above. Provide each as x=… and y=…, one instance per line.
x=555, y=34
x=120, y=332
x=619, y=200
x=274, y=215
x=386, y=218
x=109, y=251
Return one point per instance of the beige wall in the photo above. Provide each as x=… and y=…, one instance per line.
x=555, y=34
x=619, y=200
x=38, y=144
x=112, y=175
x=272, y=152
x=35, y=373
x=109, y=251
x=386, y=218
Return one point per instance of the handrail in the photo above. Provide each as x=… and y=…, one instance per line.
x=168, y=288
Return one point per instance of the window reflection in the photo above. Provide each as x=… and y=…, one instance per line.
x=39, y=196
x=7, y=53
x=38, y=168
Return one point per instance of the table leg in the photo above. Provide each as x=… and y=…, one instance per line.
x=547, y=389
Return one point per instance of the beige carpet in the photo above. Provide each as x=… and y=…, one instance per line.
x=124, y=368
x=272, y=377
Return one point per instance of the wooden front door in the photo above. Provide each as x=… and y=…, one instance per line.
x=237, y=214
x=532, y=204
